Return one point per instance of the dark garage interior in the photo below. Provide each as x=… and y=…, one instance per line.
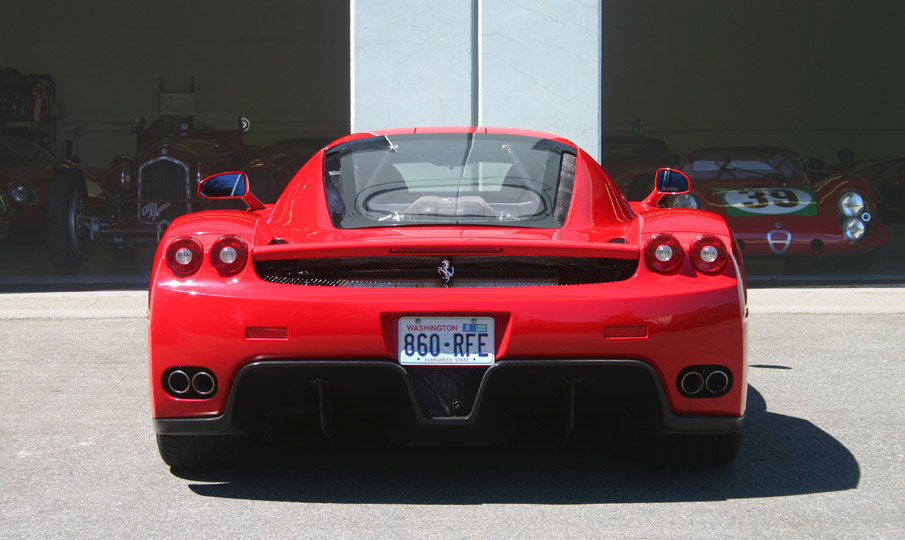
x=85, y=79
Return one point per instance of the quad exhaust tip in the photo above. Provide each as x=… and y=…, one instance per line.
x=704, y=381
x=189, y=382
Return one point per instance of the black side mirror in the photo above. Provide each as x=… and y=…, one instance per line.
x=845, y=155
x=224, y=186
x=815, y=164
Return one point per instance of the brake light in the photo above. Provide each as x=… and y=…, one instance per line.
x=709, y=254
x=184, y=256
x=228, y=255
x=663, y=253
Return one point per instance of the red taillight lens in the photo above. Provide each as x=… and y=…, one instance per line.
x=663, y=253
x=709, y=254
x=228, y=255
x=184, y=256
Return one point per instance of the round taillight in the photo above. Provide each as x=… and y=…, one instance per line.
x=663, y=253
x=228, y=255
x=184, y=256
x=709, y=254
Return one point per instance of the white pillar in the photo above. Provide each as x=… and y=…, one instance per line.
x=516, y=63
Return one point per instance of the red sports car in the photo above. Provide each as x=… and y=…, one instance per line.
x=452, y=286
x=775, y=210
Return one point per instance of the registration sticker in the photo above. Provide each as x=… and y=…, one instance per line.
x=446, y=341
x=769, y=201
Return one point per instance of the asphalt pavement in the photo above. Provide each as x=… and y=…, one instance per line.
x=823, y=453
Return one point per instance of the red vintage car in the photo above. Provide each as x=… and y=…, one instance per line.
x=886, y=176
x=775, y=210
x=147, y=191
x=453, y=286
x=26, y=173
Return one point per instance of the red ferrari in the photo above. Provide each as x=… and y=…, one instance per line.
x=775, y=210
x=450, y=286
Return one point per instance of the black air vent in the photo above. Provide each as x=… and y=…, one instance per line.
x=424, y=271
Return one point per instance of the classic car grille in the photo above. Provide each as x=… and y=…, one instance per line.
x=162, y=184
x=445, y=392
x=469, y=271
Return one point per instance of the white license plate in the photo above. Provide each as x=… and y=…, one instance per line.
x=446, y=341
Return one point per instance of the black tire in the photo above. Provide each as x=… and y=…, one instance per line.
x=690, y=450
x=854, y=263
x=206, y=451
x=67, y=202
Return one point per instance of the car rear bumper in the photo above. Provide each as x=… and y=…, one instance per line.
x=463, y=405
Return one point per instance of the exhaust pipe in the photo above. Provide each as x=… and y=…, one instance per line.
x=692, y=383
x=179, y=382
x=717, y=382
x=203, y=383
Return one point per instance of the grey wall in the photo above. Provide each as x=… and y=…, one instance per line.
x=284, y=65
x=517, y=63
x=813, y=75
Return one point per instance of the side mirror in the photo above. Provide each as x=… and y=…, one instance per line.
x=229, y=185
x=667, y=182
x=672, y=181
x=224, y=186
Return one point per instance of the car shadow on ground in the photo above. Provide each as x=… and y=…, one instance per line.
x=781, y=455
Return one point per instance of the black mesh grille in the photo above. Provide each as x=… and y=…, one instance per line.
x=423, y=271
x=164, y=182
x=445, y=392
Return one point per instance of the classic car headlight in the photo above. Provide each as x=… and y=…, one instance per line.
x=851, y=204
x=685, y=200
x=21, y=193
x=854, y=229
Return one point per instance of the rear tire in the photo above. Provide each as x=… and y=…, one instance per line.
x=690, y=450
x=67, y=203
x=206, y=451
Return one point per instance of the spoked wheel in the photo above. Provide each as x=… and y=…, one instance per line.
x=67, y=204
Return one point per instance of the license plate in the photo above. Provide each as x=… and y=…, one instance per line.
x=446, y=341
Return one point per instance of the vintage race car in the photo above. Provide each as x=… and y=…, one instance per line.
x=775, y=210
x=447, y=286
x=145, y=192
x=26, y=172
x=886, y=176
x=631, y=162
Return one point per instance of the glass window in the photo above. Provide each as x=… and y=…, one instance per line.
x=449, y=178
x=739, y=164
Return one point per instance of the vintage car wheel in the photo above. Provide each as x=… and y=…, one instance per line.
x=67, y=203
x=206, y=451
x=690, y=450
x=854, y=263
